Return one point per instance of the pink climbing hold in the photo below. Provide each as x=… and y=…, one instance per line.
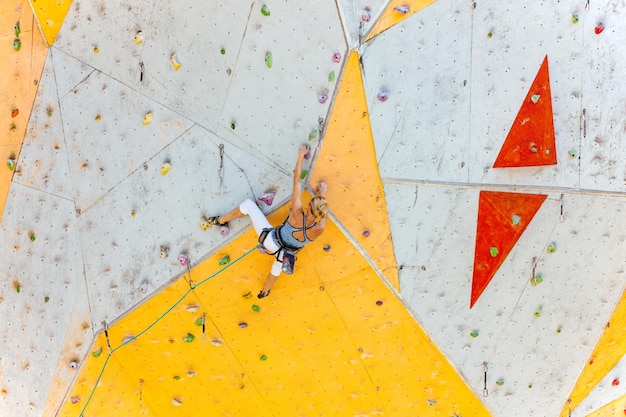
x=599, y=28
x=336, y=57
x=402, y=9
x=382, y=96
x=74, y=400
x=366, y=15
x=183, y=259
x=268, y=198
x=322, y=98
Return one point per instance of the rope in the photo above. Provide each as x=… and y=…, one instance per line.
x=157, y=320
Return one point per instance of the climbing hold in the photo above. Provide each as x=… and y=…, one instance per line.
x=18, y=289
x=574, y=18
x=500, y=381
x=331, y=77
x=247, y=295
x=97, y=352
x=558, y=330
x=189, y=338
x=233, y=125
x=16, y=28
x=551, y=247
x=402, y=9
x=176, y=377
x=49, y=111
x=307, y=155
x=303, y=174
x=46, y=299
x=322, y=98
x=96, y=50
x=336, y=57
x=15, y=112
x=572, y=153
x=493, y=251
x=224, y=260
x=366, y=233
x=322, y=288
x=147, y=118
x=366, y=15
x=265, y=11
x=599, y=28
x=216, y=342
x=256, y=308
x=128, y=339
x=535, y=98
x=489, y=34
x=192, y=308
x=515, y=219
x=175, y=63
x=183, y=259
x=17, y=44
x=164, y=251
x=98, y=118
x=431, y=402
x=268, y=197
x=139, y=37
x=177, y=401
x=615, y=382
x=243, y=325
x=379, y=303
x=474, y=333
x=74, y=399
x=165, y=168
x=191, y=373
x=11, y=164
x=223, y=51
x=143, y=287
x=199, y=321
x=269, y=59
x=32, y=237
x=326, y=248
x=537, y=279
x=224, y=230
x=313, y=135
x=133, y=213
x=74, y=364
x=263, y=357
x=382, y=96
x=538, y=312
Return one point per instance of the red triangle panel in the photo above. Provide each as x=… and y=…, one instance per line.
x=530, y=141
x=502, y=218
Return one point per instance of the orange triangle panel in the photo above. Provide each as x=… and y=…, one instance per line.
x=502, y=218
x=530, y=141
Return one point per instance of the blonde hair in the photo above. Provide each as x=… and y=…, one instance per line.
x=318, y=207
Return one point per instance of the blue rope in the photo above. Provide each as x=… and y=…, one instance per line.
x=159, y=319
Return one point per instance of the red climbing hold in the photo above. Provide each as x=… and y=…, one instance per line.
x=599, y=28
x=530, y=141
x=496, y=229
x=615, y=382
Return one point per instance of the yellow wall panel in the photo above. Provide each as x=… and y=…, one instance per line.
x=51, y=14
x=393, y=14
x=19, y=77
x=347, y=162
x=616, y=408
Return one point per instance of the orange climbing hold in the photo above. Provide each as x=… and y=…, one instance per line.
x=530, y=141
x=502, y=218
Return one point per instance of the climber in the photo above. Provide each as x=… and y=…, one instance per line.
x=303, y=225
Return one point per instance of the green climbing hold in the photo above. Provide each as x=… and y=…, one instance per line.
x=224, y=260
x=233, y=126
x=263, y=357
x=574, y=18
x=16, y=28
x=11, y=164
x=176, y=378
x=551, y=248
x=535, y=98
x=189, y=338
x=256, y=308
x=303, y=174
x=313, y=135
x=200, y=321
x=474, y=333
x=572, y=153
x=223, y=51
x=538, y=312
x=18, y=289
x=265, y=11
x=32, y=238
x=96, y=352
x=537, y=279
x=17, y=44
x=500, y=381
x=269, y=60
x=516, y=219
x=331, y=77
x=493, y=251
x=46, y=299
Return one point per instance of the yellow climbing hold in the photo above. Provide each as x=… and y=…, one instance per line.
x=165, y=168
x=175, y=63
x=139, y=38
x=96, y=50
x=147, y=118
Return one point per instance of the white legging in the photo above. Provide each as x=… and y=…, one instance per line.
x=260, y=222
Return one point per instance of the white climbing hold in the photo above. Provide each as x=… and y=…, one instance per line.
x=192, y=308
x=177, y=401
x=74, y=364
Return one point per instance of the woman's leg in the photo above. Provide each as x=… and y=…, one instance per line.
x=259, y=221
